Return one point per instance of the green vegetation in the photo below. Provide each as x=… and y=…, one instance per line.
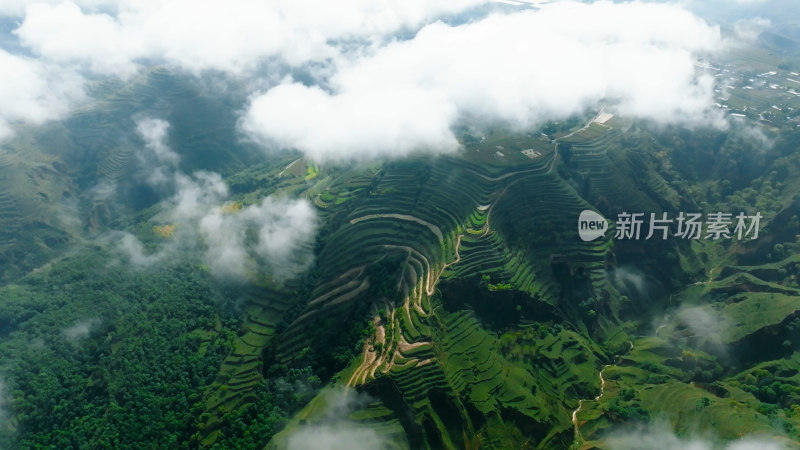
x=454, y=290
x=100, y=355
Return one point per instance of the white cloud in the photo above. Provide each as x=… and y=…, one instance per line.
x=17, y=8
x=360, y=123
x=135, y=251
x=752, y=132
x=750, y=29
x=660, y=436
x=275, y=233
x=230, y=36
x=224, y=237
x=283, y=229
x=518, y=69
x=34, y=92
x=337, y=437
x=156, y=157
x=754, y=444
x=335, y=431
x=64, y=34
x=196, y=194
x=704, y=323
x=103, y=190
x=626, y=277
x=286, y=229
x=68, y=214
x=379, y=96
x=80, y=329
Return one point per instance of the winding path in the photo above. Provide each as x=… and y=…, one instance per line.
x=578, y=437
x=371, y=361
x=575, y=425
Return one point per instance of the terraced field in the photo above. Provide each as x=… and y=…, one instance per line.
x=32, y=219
x=734, y=314
x=447, y=368
x=240, y=372
x=487, y=322
x=449, y=303
x=9, y=213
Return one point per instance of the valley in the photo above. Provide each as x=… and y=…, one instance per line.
x=167, y=282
